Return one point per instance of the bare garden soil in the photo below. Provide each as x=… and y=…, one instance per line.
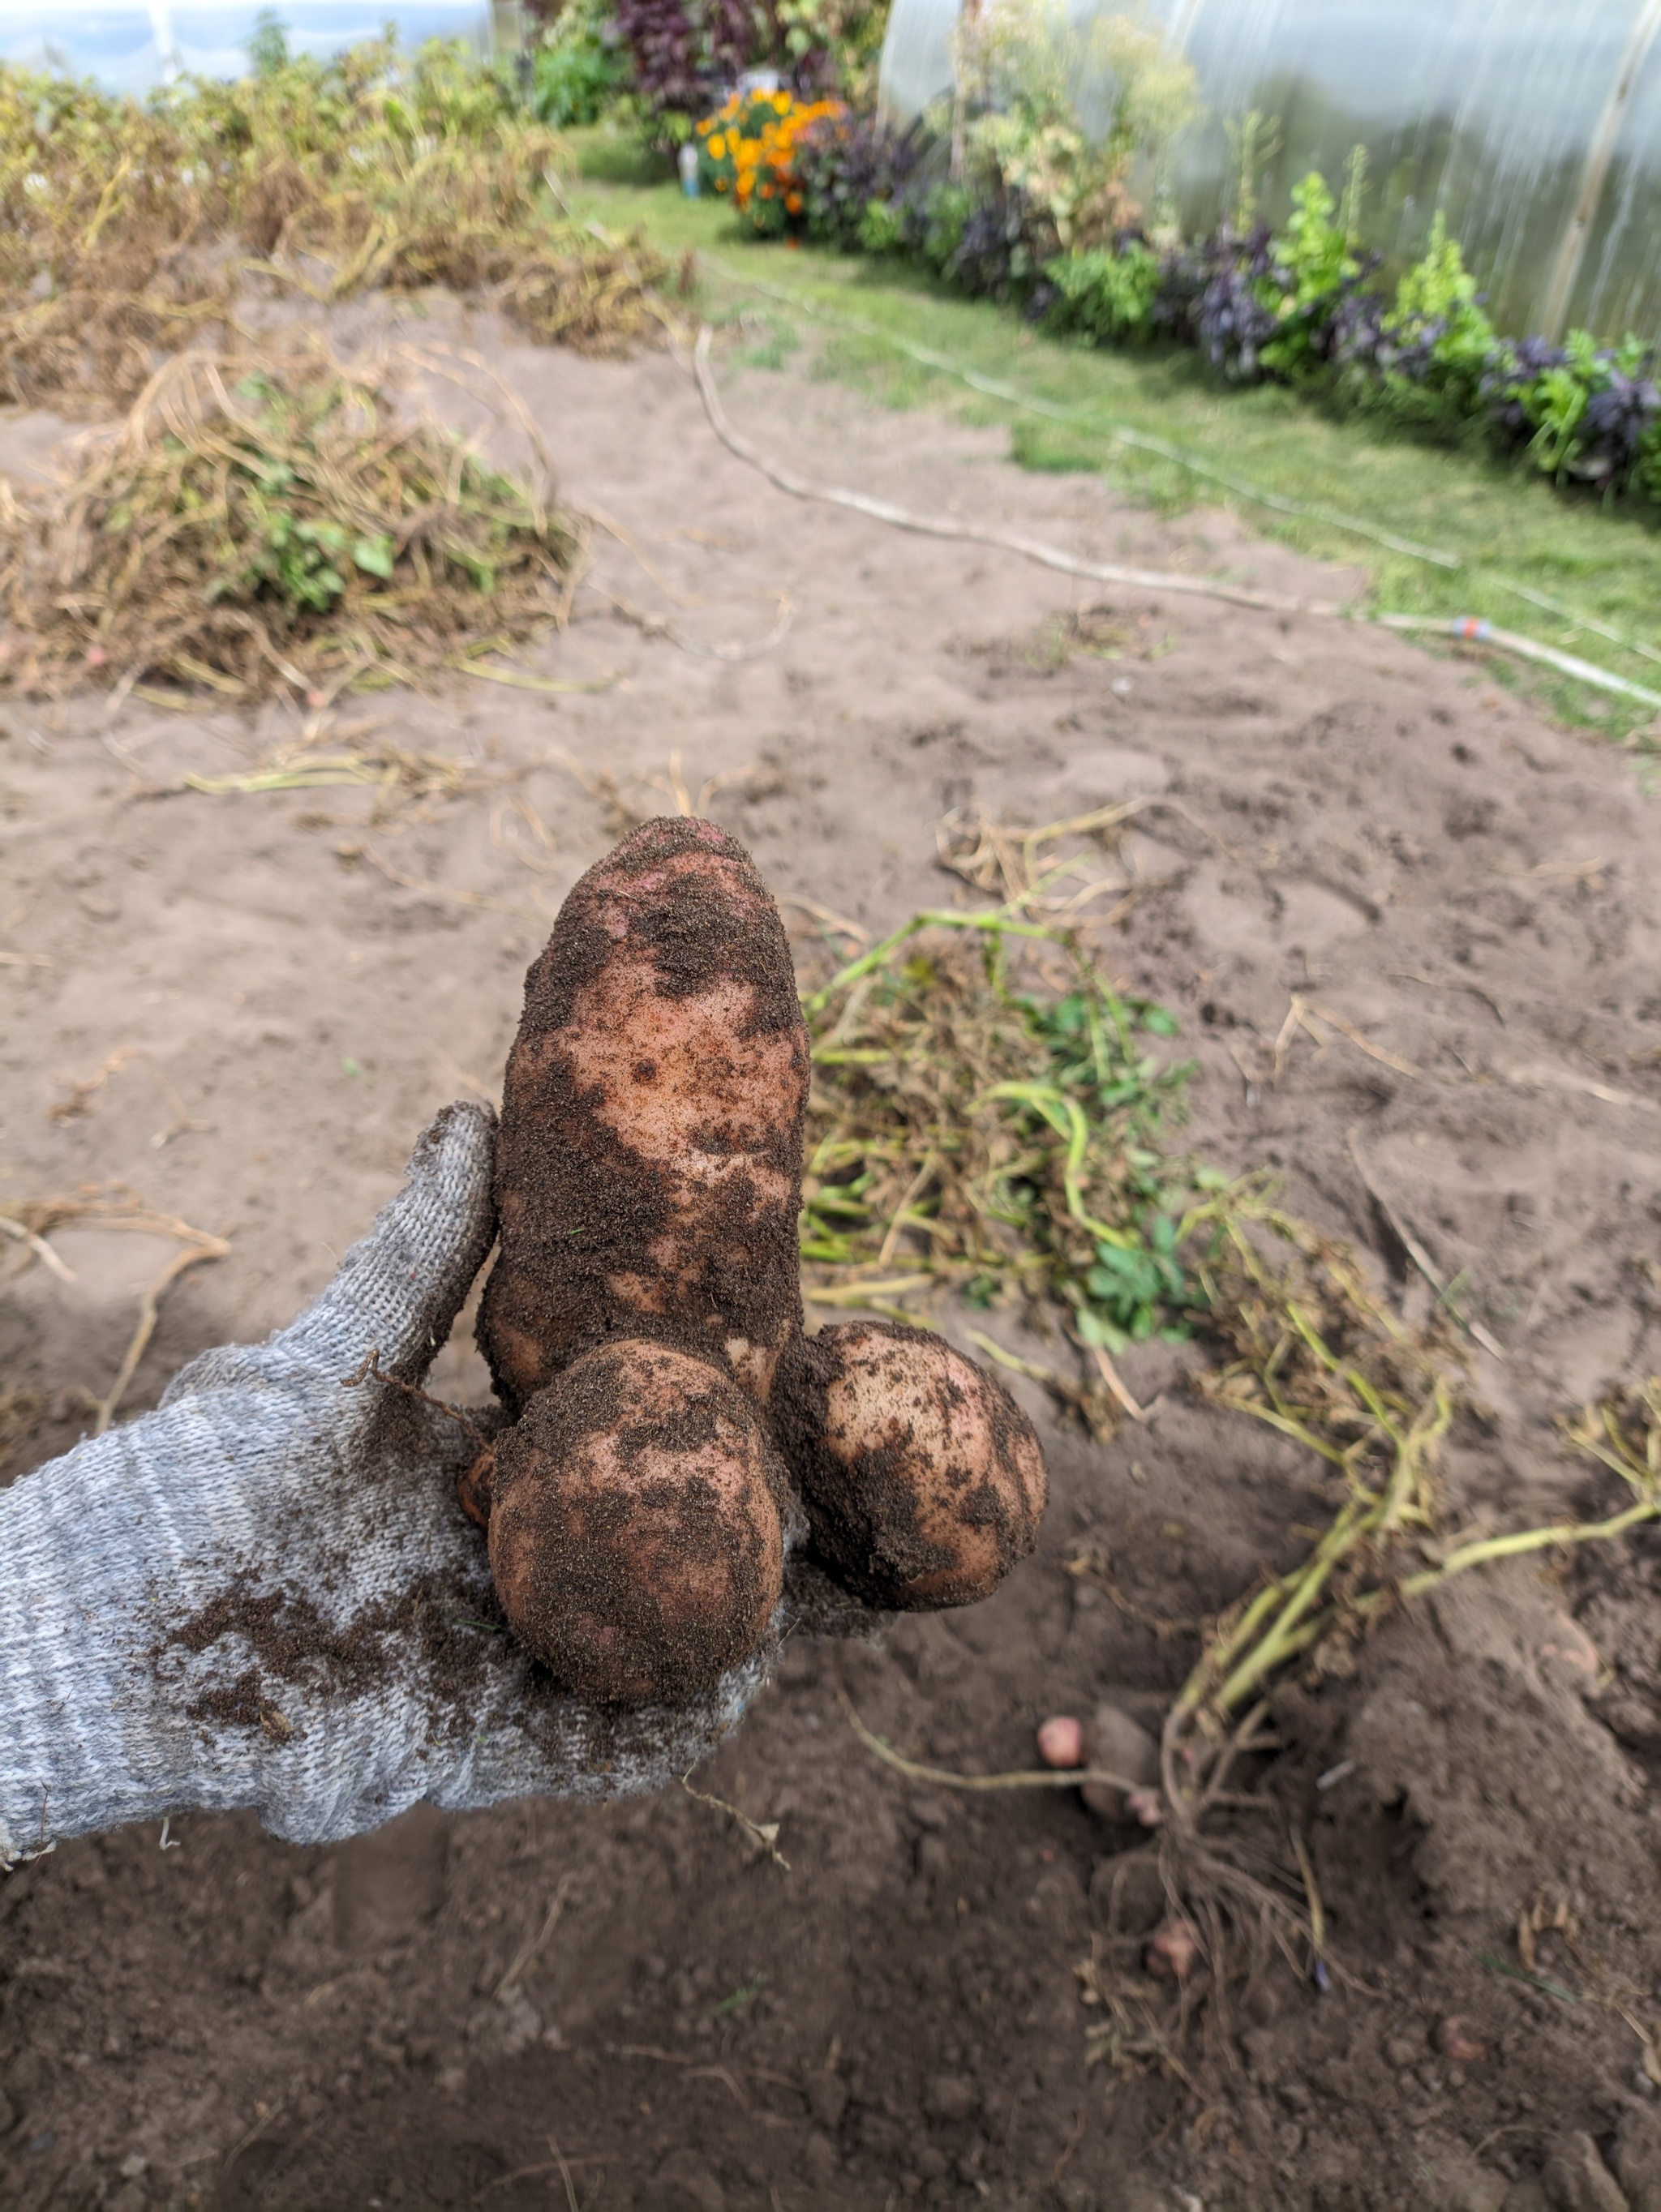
x=243, y=1006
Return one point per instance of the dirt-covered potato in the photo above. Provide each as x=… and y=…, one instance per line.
x=635, y=1530
x=643, y=1318
x=923, y=1480
x=648, y=1166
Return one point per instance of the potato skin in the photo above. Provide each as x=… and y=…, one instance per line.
x=648, y=1165
x=923, y=1480
x=634, y=1532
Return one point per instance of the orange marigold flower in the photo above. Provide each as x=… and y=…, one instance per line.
x=793, y=202
x=718, y=145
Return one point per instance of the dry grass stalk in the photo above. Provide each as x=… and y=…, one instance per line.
x=325, y=754
x=1316, y=1356
x=1020, y=869
x=31, y=1222
x=267, y=522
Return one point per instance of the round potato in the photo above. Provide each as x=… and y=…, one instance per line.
x=923, y=1480
x=648, y=1165
x=634, y=1532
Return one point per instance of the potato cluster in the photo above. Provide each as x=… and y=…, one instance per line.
x=643, y=1318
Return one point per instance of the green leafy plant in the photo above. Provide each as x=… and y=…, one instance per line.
x=1646, y=467
x=1572, y=400
x=1438, y=323
x=1104, y=296
x=882, y=228
x=299, y=560
x=833, y=40
x=268, y=47
x=945, y=214
x=1555, y=400
x=1254, y=141
x=581, y=68
x=1312, y=262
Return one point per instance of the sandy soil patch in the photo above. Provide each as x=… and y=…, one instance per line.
x=243, y=1007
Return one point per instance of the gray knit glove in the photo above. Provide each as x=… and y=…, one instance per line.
x=263, y=1593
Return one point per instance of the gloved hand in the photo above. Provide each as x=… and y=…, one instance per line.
x=265, y=1594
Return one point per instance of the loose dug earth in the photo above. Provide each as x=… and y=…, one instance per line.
x=261, y=998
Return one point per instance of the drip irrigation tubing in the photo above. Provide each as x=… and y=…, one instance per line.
x=1125, y=434
x=1469, y=629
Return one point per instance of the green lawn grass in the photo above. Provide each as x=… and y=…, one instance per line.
x=1504, y=527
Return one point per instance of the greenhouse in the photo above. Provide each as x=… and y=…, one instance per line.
x=1532, y=126
x=132, y=47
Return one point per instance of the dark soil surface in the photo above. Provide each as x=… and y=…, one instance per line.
x=264, y=998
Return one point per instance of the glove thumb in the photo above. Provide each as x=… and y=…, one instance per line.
x=398, y=1291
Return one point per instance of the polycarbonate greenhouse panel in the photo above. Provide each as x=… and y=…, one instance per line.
x=131, y=48
x=1533, y=125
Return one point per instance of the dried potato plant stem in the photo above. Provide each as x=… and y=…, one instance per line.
x=979, y=1120
x=1384, y=1443
x=127, y=228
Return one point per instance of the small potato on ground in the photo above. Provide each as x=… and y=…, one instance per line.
x=1060, y=1741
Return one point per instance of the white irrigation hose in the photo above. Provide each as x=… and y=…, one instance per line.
x=1476, y=631
x=1122, y=434
x=1469, y=628
x=1118, y=433
x=976, y=533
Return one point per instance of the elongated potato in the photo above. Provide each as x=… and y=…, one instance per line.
x=923, y=1480
x=648, y=1166
x=634, y=1532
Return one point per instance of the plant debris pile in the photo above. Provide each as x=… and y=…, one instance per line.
x=984, y=1112
x=274, y=521
x=125, y=228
